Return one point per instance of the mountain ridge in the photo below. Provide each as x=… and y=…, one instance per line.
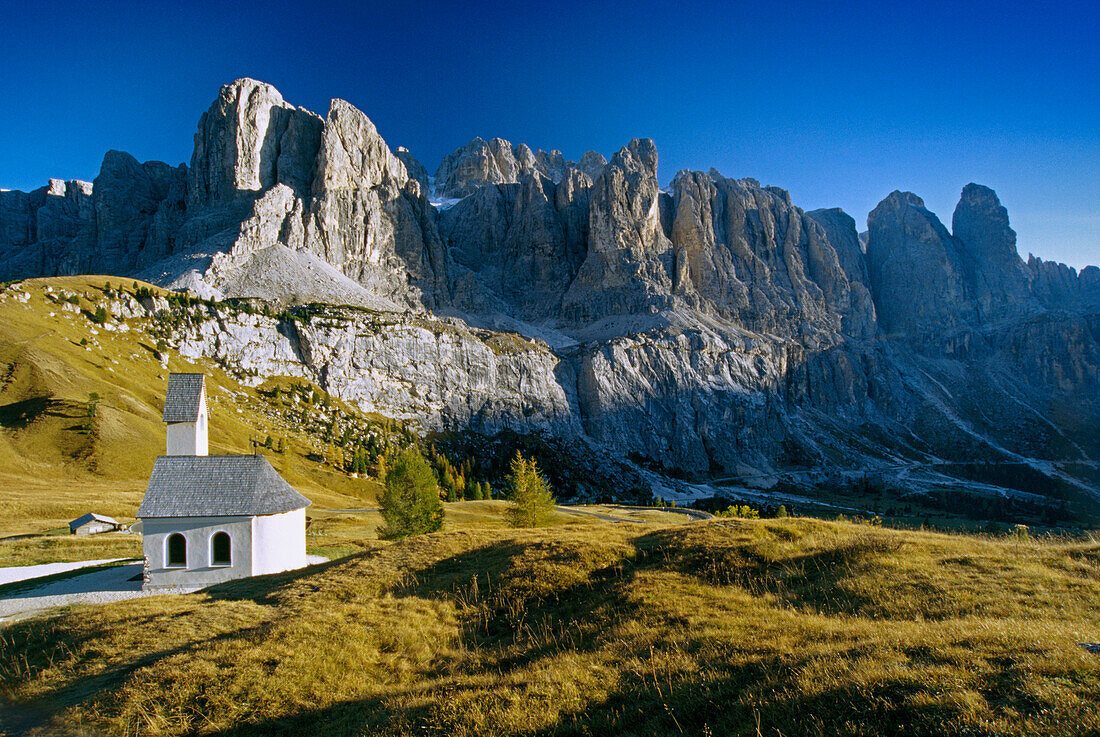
x=712, y=328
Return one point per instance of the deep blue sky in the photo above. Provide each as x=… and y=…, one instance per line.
x=840, y=103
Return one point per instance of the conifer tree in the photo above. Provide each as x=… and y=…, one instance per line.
x=531, y=497
x=410, y=503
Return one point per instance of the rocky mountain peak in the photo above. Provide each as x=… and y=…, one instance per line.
x=918, y=276
x=629, y=263
x=480, y=163
x=592, y=164
x=980, y=221
x=1000, y=277
x=415, y=169
x=352, y=153
x=236, y=146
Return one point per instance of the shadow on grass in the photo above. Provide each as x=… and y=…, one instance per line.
x=522, y=603
x=30, y=647
x=813, y=582
x=343, y=719
x=17, y=415
x=265, y=590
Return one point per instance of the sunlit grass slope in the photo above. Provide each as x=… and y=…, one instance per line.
x=771, y=627
x=57, y=463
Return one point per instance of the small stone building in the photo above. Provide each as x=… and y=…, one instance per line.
x=207, y=519
x=92, y=523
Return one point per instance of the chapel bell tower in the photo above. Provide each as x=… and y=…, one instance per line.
x=185, y=414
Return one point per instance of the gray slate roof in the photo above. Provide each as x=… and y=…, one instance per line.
x=91, y=517
x=181, y=402
x=217, y=486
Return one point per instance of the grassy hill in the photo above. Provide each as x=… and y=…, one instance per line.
x=728, y=627
x=739, y=627
x=57, y=461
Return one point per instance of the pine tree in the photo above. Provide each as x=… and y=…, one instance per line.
x=532, y=500
x=447, y=483
x=410, y=503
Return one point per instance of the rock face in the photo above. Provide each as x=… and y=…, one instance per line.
x=917, y=272
x=415, y=169
x=628, y=267
x=519, y=241
x=480, y=163
x=714, y=329
x=860, y=320
x=138, y=210
x=1000, y=278
x=367, y=218
x=46, y=231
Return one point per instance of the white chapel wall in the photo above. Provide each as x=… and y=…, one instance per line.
x=199, y=532
x=279, y=542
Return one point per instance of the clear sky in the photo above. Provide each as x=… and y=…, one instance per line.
x=840, y=103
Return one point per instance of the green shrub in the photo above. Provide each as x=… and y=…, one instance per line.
x=532, y=501
x=410, y=503
x=744, y=511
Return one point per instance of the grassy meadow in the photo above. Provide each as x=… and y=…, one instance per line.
x=725, y=627
x=658, y=626
x=57, y=462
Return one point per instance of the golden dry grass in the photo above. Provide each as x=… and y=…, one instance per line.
x=52, y=470
x=773, y=627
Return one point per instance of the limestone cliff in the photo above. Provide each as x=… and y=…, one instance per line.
x=709, y=329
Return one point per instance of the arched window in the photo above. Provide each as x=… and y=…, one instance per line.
x=219, y=550
x=177, y=551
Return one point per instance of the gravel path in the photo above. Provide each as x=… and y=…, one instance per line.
x=98, y=587
x=11, y=574
x=607, y=517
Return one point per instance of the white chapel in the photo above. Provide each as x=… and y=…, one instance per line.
x=207, y=519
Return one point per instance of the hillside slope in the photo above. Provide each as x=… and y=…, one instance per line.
x=59, y=460
x=729, y=627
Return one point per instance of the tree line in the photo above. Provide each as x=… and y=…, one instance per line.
x=412, y=501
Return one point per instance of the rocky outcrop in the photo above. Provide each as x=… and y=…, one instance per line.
x=745, y=252
x=250, y=140
x=511, y=236
x=628, y=266
x=480, y=163
x=436, y=374
x=47, y=231
x=918, y=275
x=263, y=174
x=1061, y=287
x=138, y=210
x=712, y=329
x=415, y=169
x=859, y=319
x=592, y=164
x=368, y=219
x=1000, y=278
